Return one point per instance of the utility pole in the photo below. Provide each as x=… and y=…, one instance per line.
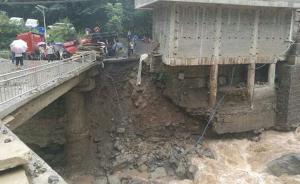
x=43, y=9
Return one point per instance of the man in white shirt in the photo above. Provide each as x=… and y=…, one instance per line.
x=50, y=52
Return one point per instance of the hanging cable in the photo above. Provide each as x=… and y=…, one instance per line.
x=214, y=111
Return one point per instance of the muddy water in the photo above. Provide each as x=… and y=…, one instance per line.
x=244, y=161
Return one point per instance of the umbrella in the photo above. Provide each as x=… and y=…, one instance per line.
x=41, y=43
x=18, y=46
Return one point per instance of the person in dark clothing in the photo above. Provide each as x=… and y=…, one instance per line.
x=13, y=57
x=19, y=60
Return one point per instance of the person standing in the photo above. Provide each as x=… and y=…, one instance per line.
x=130, y=48
x=42, y=52
x=13, y=57
x=50, y=52
x=129, y=35
x=19, y=60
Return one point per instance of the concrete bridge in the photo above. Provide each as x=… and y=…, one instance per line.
x=23, y=93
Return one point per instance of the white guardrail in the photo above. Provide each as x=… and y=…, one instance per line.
x=17, y=84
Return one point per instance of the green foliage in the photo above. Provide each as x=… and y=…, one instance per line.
x=62, y=32
x=137, y=21
x=8, y=31
x=111, y=15
x=115, y=15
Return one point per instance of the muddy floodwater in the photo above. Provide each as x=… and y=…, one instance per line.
x=245, y=161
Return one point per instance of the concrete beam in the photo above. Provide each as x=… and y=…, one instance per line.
x=29, y=109
x=261, y=3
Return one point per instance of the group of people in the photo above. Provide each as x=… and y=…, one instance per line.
x=45, y=51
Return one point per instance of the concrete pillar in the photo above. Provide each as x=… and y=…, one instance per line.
x=213, y=85
x=251, y=81
x=271, y=74
x=213, y=79
x=77, y=131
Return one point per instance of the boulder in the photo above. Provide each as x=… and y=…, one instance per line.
x=159, y=172
x=113, y=179
x=285, y=165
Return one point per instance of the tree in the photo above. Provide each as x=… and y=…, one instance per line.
x=63, y=32
x=8, y=31
x=115, y=15
x=111, y=15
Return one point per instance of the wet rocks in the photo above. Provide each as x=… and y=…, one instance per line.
x=297, y=133
x=286, y=165
x=102, y=180
x=53, y=179
x=181, y=170
x=121, y=130
x=112, y=179
x=8, y=140
x=124, y=160
x=159, y=172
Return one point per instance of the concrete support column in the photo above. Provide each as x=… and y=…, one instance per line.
x=271, y=74
x=77, y=131
x=213, y=77
x=213, y=85
x=251, y=80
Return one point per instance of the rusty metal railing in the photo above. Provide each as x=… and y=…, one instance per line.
x=22, y=83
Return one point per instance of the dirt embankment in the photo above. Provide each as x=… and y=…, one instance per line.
x=135, y=130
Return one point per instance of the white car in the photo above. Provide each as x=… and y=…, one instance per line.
x=59, y=25
x=17, y=21
x=32, y=23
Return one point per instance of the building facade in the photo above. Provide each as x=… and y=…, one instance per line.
x=225, y=38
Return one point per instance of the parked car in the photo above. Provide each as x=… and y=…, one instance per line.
x=32, y=23
x=61, y=25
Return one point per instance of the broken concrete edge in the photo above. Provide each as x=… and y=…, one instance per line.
x=261, y=115
x=37, y=169
x=14, y=176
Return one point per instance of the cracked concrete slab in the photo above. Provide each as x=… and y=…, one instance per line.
x=14, y=176
x=14, y=153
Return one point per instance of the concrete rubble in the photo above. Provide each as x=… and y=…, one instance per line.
x=20, y=164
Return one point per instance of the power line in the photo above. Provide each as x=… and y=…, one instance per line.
x=41, y=2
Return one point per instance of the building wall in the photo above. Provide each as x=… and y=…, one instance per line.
x=209, y=34
x=161, y=28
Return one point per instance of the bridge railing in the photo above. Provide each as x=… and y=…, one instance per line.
x=17, y=84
